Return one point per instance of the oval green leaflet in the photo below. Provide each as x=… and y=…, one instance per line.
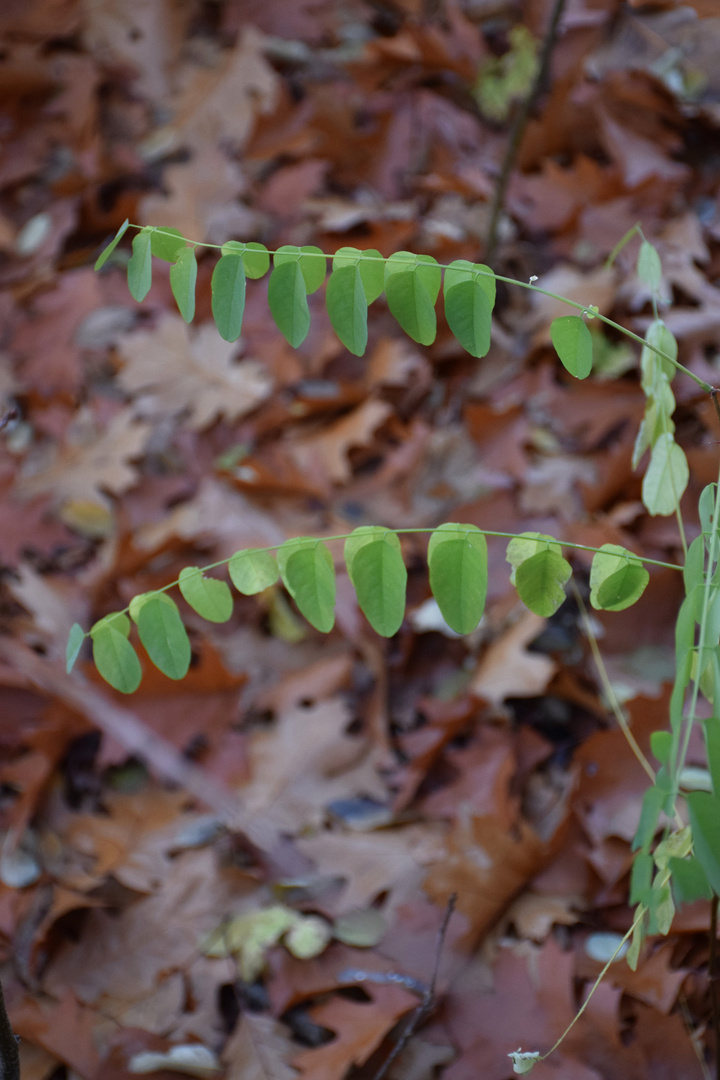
x=288, y=302
x=252, y=571
x=540, y=581
x=617, y=580
x=166, y=244
x=652, y=366
x=425, y=266
x=526, y=545
x=107, y=251
x=162, y=633
x=573, y=344
x=666, y=477
x=307, y=570
x=312, y=263
x=704, y=810
x=462, y=270
x=209, y=597
x=255, y=257
x=469, y=315
x=183, y=276
x=457, y=561
x=410, y=303
x=228, y=296
x=376, y=568
x=139, y=269
x=649, y=267
x=113, y=655
x=371, y=265
x=347, y=308
x=75, y=641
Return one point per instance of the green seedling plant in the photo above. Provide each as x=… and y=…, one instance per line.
x=677, y=843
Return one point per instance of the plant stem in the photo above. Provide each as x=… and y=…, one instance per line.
x=9, y=1055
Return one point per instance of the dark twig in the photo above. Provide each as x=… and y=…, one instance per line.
x=713, y=980
x=517, y=129
x=9, y=1055
x=428, y=998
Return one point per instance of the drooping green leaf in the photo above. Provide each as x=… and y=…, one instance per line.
x=255, y=257
x=363, y=535
x=540, y=582
x=74, y=645
x=424, y=266
x=183, y=276
x=228, y=296
x=117, y=619
x=309, y=576
x=704, y=810
x=469, y=315
x=689, y=880
x=139, y=270
x=115, y=658
x=666, y=478
x=371, y=265
x=463, y=270
x=288, y=302
x=652, y=366
x=457, y=561
x=253, y=571
x=526, y=545
x=410, y=303
x=573, y=344
x=706, y=509
x=712, y=744
x=652, y=803
x=380, y=580
x=107, y=251
x=166, y=244
x=617, y=579
x=694, y=568
x=162, y=633
x=661, y=745
x=641, y=876
x=347, y=308
x=312, y=262
x=649, y=267
x=209, y=597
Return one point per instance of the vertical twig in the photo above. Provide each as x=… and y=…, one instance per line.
x=517, y=129
x=713, y=980
x=9, y=1055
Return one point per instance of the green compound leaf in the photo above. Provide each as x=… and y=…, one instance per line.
x=666, y=478
x=378, y=574
x=312, y=263
x=309, y=576
x=288, y=302
x=617, y=579
x=255, y=257
x=166, y=244
x=139, y=270
x=209, y=597
x=228, y=296
x=649, y=267
x=74, y=645
x=540, y=581
x=457, y=560
x=162, y=633
x=253, y=571
x=573, y=344
x=704, y=810
x=183, y=276
x=116, y=658
x=107, y=252
x=526, y=545
x=347, y=308
x=410, y=303
x=372, y=269
x=469, y=314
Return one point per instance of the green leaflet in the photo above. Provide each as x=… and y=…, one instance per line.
x=661, y=745
x=540, y=581
x=525, y=546
x=462, y=270
x=312, y=263
x=410, y=303
x=378, y=574
x=114, y=656
x=288, y=302
x=371, y=265
x=689, y=880
x=209, y=597
x=309, y=576
x=666, y=478
x=704, y=810
x=74, y=645
x=652, y=803
x=649, y=267
x=712, y=743
x=694, y=568
x=166, y=244
x=425, y=266
x=228, y=296
x=252, y=571
x=617, y=580
x=255, y=257
x=469, y=314
x=162, y=633
x=183, y=275
x=573, y=344
x=652, y=366
x=362, y=536
x=107, y=251
x=139, y=270
x=457, y=560
x=347, y=308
